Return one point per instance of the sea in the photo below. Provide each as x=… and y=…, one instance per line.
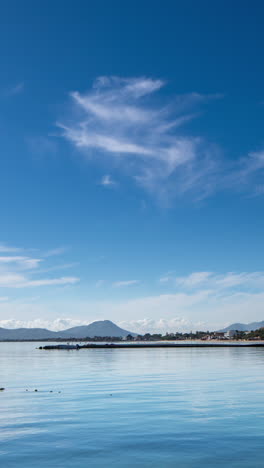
x=175, y=407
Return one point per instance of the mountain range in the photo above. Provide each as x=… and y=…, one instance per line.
x=100, y=328
x=244, y=326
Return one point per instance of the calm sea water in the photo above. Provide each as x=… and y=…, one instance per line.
x=125, y=408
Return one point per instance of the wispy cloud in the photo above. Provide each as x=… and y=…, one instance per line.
x=56, y=324
x=163, y=325
x=52, y=281
x=217, y=282
x=250, y=173
x=120, y=123
x=107, y=181
x=12, y=280
x=17, y=271
x=22, y=262
x=194, y=279
x=8, y=249
x=121, y=120
x=120, y=284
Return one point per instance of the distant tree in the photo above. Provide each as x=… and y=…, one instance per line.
x=147, y=336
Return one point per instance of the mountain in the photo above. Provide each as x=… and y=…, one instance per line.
x=99, y=328
x=244, y=326
x=26, y=334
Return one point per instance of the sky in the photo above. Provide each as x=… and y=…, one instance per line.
x=131, y=163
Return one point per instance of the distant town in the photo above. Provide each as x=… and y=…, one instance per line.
x=201, y=335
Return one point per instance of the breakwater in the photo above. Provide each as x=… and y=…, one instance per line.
x=152, y=345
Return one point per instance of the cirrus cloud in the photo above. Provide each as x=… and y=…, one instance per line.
x=120, y=284
x=16, y=271
x=215, y=281
x=121, y=121
x=120, y=124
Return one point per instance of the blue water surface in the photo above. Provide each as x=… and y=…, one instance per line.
x=174, y=407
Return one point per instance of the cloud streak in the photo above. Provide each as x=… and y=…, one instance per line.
x=122, y=125
x=216, y=282
x=22, y=262
x=120, y=119
x=121, y=284
x=8, y=249
x=16, y=270
x=12, y=280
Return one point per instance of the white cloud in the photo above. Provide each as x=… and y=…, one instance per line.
x=107, y=181
x=253, y=163
x=56, y=324
x=247, y=174
x=175, y=324
x=16, y=270
x=118, y=117
x=120, y=123
x=193, y=279
x=120, y=284
x=23, y=262
x=12, y=280
x=8, y=249
x=52, y=281
x=164, y=279
x=216, y=281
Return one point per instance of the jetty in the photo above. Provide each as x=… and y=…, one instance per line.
x=153, y=345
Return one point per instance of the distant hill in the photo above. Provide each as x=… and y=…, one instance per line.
x=244, y=326
x=26, y=334
x=100, y=328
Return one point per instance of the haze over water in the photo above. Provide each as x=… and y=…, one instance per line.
x=146, y=408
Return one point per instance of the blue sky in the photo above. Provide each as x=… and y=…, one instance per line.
x=132, y=162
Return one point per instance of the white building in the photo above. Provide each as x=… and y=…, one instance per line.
x=230, y=334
